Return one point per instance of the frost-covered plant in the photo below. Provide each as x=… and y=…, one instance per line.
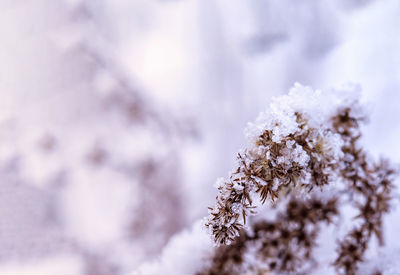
x=370, y=186
x=285, y=244
x=304, y=145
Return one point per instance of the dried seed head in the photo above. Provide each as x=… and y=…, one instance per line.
x=303, y=148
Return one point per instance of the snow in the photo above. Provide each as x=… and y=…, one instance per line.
x=186, y=253
x=315, y=105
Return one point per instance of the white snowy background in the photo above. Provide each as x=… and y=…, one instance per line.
x=117, y=116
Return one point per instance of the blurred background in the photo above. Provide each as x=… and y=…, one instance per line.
x=117, y=116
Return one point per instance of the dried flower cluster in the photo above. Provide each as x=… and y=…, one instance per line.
x=284, y=245
x=369, y=186
x=291, y=150
x=307, y=141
